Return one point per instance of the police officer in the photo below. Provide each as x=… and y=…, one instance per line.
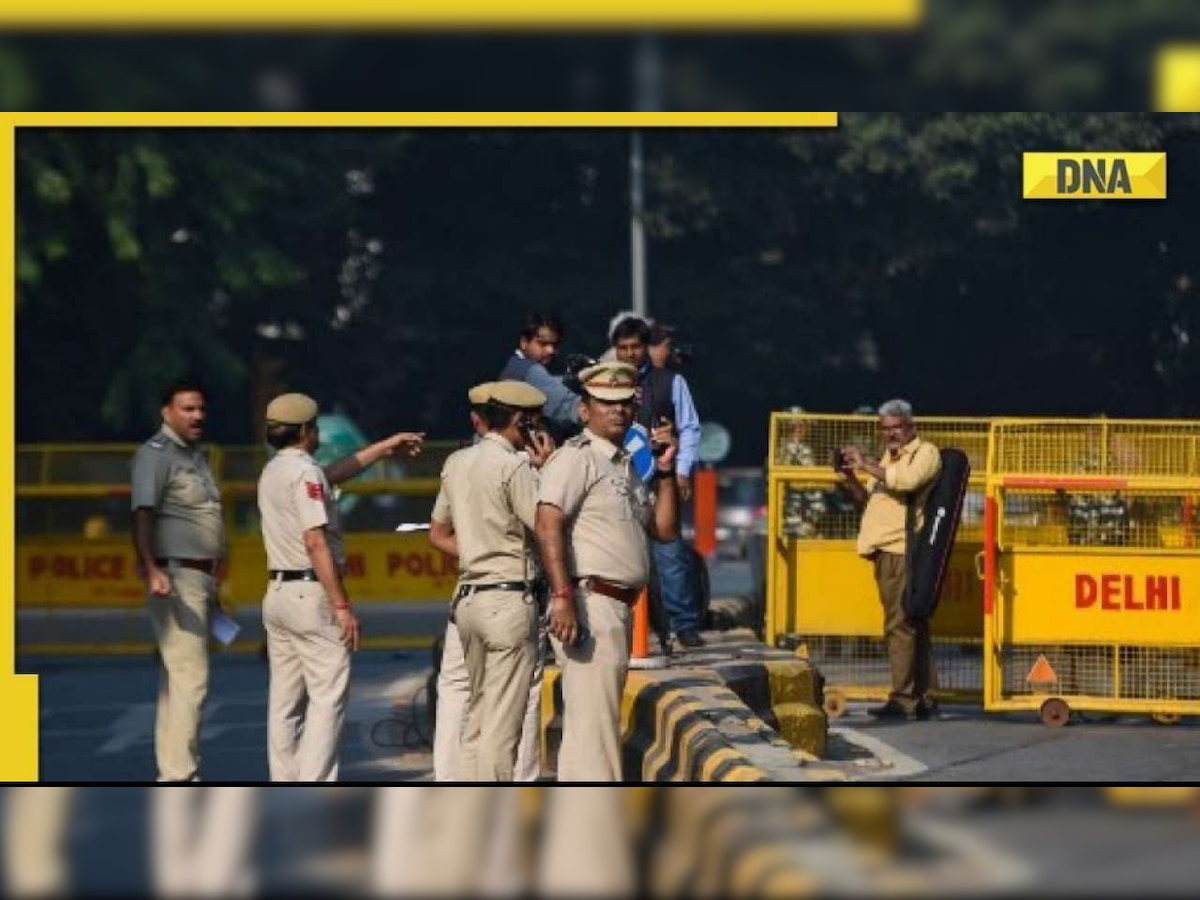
x=454, y=683
x=310, y=626
x=179, y=538
x=594, y=516
x=488, y=501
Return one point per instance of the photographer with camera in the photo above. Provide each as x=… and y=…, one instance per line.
x=537, y=346
x=899, y=481
x=663, y=397
x=665, y=352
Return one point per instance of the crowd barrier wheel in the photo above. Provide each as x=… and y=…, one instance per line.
x=835, y=704
x=1055, y=713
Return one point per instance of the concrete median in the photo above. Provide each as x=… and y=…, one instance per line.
x=735, y=711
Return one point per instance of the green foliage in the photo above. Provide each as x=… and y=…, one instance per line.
x=387, y=271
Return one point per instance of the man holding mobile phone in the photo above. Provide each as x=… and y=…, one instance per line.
x=484, y=514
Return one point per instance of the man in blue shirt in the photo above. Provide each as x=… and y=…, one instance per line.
x=541, y=336
x=664, y=394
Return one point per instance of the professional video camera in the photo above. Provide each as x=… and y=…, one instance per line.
x=682, y=354
x=574, y=364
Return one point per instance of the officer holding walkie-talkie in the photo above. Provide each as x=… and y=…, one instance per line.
x=593, y=520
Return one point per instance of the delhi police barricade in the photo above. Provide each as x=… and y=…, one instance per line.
x=77, y=586
x=1092, y=575
x=821, y=596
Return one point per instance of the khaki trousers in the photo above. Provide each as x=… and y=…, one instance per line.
x=453, y=694
x=36, y=841
x=180, y=624
x=593, y=681
x=498, y=630
x=310, y=682
x=202, y=841
x=914, y=676
x=447, y=841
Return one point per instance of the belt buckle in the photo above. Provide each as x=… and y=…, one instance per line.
x=588, y=584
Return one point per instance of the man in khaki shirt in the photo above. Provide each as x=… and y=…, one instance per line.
x=311, y=628
x=454, y=681
x=486, y=509
x=593, y=520
x=903, y=477
x=179, y=538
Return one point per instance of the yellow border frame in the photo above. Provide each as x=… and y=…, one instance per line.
x=471, y=14
x=19, y=694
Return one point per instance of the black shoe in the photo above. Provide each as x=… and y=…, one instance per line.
x=690, y=639
x=926, y=710
x=889, y=710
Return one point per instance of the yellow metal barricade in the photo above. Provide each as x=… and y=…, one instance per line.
x=1092, y=569
x=821, y=596
x=75, y=561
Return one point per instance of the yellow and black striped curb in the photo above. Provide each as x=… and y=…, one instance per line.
x=787, y=693
x=693, y=724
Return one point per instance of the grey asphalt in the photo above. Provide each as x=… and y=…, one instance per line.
x=967, y=745
x=97, y=719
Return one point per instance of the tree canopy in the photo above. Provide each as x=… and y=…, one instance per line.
x=385, y=271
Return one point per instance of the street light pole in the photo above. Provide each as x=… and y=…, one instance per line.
x=637, y=230
x=645, y=77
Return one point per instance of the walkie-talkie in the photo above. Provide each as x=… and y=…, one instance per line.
x=658, y=448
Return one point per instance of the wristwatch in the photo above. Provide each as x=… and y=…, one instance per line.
x=664, y=473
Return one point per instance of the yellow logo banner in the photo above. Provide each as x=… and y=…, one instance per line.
x=1095, y=176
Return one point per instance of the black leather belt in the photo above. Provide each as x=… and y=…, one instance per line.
x=201, y=565
x=292, y=574
x=467, y=589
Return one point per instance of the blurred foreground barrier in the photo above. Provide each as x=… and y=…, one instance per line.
x=821, y=596
x=1091, y=570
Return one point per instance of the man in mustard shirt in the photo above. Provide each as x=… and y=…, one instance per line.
x=904, y=476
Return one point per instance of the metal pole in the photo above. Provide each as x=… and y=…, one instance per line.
x=646, y=99
x=637, y=231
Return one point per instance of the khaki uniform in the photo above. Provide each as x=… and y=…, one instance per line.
x=310, y=665
x=489, y=497
x=608, y=510
x=882, y=539
x=453, y=697
x=174, y=481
